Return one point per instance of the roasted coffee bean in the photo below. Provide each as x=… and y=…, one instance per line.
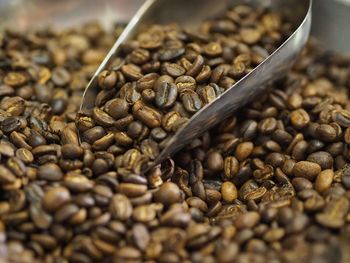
x=308, y=170
x=120, y=207
x=299, y=118
x=50, y=172
x=191, y=101
x=324, y=180
x=324, y=159
x=55, y=197
x=169, y=193
x=229, y=192
x=166, y=94
x=184, y=83
x=149, y=116
x=117, y=108
x=326, y=133
x=146, y=82
x=277, y=168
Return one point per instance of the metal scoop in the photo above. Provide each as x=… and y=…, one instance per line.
x=191, y=13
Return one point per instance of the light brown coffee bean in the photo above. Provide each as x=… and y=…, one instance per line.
x=306, y=169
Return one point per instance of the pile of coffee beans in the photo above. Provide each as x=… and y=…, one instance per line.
x=269, y=184
x=167, y=74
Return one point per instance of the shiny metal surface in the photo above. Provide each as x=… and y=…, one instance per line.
x=190, y=13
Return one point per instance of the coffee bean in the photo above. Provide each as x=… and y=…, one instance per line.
x=120, y=207
x=170, y=54
x=333, y=214
x=247, y=220
x=326, y=133
x=132, y=190
x=146, y=82
x=306, y=169
x=139, y=56
x=10, y=124
x=55, y=197
x=324, y=159
x=250, y=35
x=191, y=101
x=324, y=180
x=131, y=72
x=342, y=117
x=50, y=172
x=60, y=76
x=117, y=108
x=243, y=150
x=72, y=151
x=229, y=192
x=299, y=118
x=166, y=94
x=169, y=193
x=149, y=116
x=277, y=169
x=215, y=161
x=185, y=83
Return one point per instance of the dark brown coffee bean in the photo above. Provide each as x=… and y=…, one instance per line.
x=170, y=54
x=301, y=183
x=10, y=124
x=93, y=134
x=267, y=126
x=117, y=108
x=324, y=159
x=40, y=218
x=169, y=193
x=326, y=133
x=72, y=151
x=342, y=117
x=131, y=72
x=102, y=118
x=50, y=172
x=174, y=70
x=166, y=94
x=172, y=121
x=148, y=95
x=65, y=212
x=215, y=161
x=191, y=101
x=149, y=116
x=158, y=134
x=146, y=82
